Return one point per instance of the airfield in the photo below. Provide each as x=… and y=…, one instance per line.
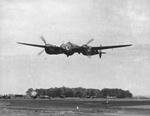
x=75, y=107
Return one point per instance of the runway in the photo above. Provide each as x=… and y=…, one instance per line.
x=75, y=107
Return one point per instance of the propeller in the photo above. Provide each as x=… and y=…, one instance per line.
x=84, y=45
x=45, y=45
x=89, y=56
x=35, y=45
x=40, y=52
x=43, y=39
x=89, y=41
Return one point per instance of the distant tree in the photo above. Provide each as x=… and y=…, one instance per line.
x=118, y=93
x=92, y=93
x=104, y=93
x=40, y=92
x=69, y=92
x=32, y=93
x=55, y=92
x=28, y=92
x=80, y=92
x=50, y=92
x=58, y=92
x=128, y=94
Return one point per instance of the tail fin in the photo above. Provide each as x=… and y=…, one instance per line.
x=100, y=52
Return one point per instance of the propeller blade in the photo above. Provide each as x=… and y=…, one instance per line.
x=40, y=52
x=89, y=41
x=43, y=39
x=89, y=56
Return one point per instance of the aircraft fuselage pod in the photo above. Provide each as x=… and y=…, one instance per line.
x=53, y=50
x=68, y=49
x=89, y=51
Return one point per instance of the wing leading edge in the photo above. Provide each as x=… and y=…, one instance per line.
x=42, y=46
x=110, y=47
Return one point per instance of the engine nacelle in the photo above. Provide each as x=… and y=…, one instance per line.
x=86, y=50
x=53, y=50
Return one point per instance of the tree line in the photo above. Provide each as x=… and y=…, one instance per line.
x=82, y=92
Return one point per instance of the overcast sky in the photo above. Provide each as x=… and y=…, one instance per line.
x=109, y=22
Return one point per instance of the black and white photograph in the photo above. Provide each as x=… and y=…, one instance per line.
x=74, y=57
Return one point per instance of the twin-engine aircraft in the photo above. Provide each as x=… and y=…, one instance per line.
x=70, y=48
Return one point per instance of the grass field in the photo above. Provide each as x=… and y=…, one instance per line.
x=75, y=107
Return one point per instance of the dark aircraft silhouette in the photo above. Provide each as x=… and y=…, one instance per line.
x=89, y=50
x=70, y=48
x=67, y=49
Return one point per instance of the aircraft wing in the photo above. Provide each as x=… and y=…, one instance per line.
x=42, y=46
x=110, y=47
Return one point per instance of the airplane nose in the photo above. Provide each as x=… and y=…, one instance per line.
x=67, y=48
